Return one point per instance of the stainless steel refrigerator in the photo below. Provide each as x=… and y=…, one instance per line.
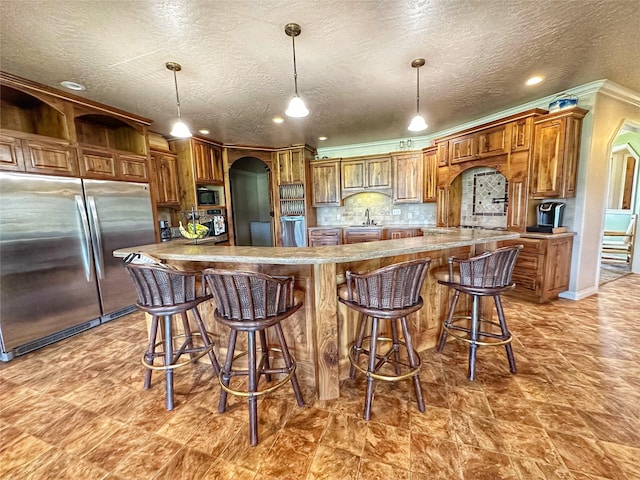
x=58, y=275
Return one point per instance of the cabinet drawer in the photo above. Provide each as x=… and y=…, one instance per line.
x=362, y=235
x=531, y=246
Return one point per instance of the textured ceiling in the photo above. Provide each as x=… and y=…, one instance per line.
x=353, y=58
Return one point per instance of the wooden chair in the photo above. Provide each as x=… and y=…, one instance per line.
x=617, y=246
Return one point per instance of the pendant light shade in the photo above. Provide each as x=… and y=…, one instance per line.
x=180, y=129
x=417, y=124
x=296, y=108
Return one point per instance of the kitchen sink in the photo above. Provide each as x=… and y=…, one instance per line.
x=365, y=226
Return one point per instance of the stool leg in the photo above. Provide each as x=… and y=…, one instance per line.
x=505, y=333
x=168, y=360
x=253, y=386
x=188, y=336
x=475, y=318
x=413, y=363
x=448, y=320
x=225, y=376
x=396, y=344
x=206, y=341
x=357, y=346
x=264, y=346
x=289, y=364
x=150, y=354
x=372, y=367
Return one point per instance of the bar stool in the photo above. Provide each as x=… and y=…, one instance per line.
x=165, y=292
x=254, y=302
x=485, y=275
x=388, y=293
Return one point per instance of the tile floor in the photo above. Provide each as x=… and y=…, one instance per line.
x=77, y=410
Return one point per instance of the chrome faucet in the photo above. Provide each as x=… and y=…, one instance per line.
x=367, y=218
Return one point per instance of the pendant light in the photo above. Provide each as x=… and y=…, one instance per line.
x=417, y=124
x=180, y=129
x=297, y=108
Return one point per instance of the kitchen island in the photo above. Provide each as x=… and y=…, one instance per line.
x=319, y=334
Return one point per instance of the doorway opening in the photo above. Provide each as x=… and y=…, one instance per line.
x=623, y=205
x=250, y=182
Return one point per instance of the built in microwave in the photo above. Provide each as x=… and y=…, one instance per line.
x=208, y=197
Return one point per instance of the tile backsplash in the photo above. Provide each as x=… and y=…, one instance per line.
x=484, y=198
x=381, y=211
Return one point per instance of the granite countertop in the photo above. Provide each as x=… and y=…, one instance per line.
x=437, y=239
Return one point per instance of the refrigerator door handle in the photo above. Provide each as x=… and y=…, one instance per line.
x=88, y=263
x=97, y=238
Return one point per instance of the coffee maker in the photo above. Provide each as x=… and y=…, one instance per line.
x=165, y=230
x=549, y=216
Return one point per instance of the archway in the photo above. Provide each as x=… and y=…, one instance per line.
x=250, y=183
x=623, y=201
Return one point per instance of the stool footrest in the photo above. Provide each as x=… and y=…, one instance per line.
x=262, y=371
x=498, y=339
x=183, y=350
x=384, y=359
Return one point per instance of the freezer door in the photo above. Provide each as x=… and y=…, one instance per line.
x=120, y=216
x=46, y=278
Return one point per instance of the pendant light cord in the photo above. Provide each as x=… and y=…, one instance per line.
x=295, y=71
x=418, y=91
x=175, y=81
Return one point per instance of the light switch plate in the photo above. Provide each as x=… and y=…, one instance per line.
x=396, y=211
x=409, y=215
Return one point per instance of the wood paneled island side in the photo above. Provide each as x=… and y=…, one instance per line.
x=319, y=334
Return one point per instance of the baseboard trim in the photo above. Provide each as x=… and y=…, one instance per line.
x=587, y=292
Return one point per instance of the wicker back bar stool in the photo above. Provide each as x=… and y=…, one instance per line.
x=164, y=293
x=253, y=302
x=387, y=294
x=485, y=275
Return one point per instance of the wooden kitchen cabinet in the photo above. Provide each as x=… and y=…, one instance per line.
x=166, y=176
x=443, y=154
x=430, y=174
x=521, y=134
x=325, y=184
x=555, y=153
x=493, y=141
x=401, y=232
x=207, y=161
x=366, y=174
x=543, y=267
x=290, y=164
x=463, y=148
x=407, y=177
x=49, y=157
x=320, y=237
x=362, y=234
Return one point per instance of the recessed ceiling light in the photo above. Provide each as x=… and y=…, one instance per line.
x=534, y=80
x=73, y=85
x=278, y=119
x=322, y=139
x=204, y=131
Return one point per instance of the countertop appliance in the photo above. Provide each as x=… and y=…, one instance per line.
x=207, y=197
x=165, y=230
x=58, y=275
x=550, y=214
x=292, y=231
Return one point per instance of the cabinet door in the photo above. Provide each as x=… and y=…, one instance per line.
x=202, y=162
x=443, y=154
x=546, y=165
x=167, y=179
x=325, y=183
x=558, y=265
x=361, y=235
x=97, y=164
x=324, y=237
x=430, y=180
x=493, y=141
x=517, y=208
x=132, y=168
x=291, y=166
x=521, y=135
x=394, y=233
x=442, y=207
x=11, y=153
x=378, y=173
x=407, y=178
x=49, y=157
x=353, y=175
x=571, y=156
x=463, y=149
